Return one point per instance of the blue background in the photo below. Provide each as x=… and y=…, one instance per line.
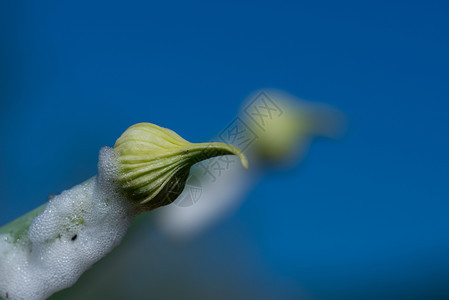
x=367, y=215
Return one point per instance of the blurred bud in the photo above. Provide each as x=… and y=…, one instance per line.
x=284, y=124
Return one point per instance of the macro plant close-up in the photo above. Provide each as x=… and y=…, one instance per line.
x=49, y=248
x=224, y=150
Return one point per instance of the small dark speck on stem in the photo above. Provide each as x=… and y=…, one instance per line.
x=74, y=237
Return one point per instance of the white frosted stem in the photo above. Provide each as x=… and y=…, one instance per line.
x=76, y=229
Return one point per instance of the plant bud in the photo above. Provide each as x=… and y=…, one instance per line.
x=154, y=163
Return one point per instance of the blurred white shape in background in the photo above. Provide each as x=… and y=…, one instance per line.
x=274, y=129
